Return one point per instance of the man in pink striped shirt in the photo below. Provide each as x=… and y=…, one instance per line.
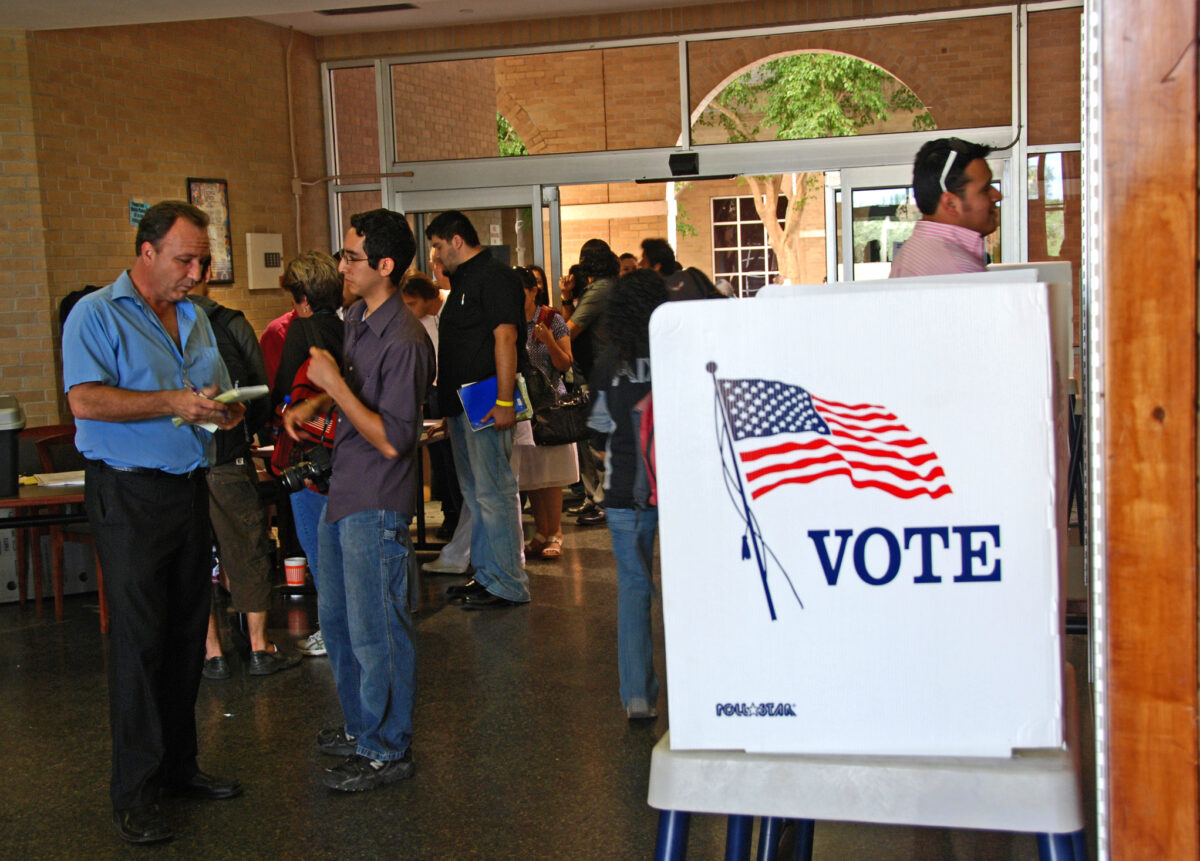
x=953, y=186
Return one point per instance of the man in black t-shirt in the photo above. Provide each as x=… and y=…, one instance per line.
x=481, y=335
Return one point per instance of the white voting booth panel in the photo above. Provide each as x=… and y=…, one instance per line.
x=858, y=521
x=1057, y=276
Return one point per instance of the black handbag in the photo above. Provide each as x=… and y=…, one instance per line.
x=557, y=419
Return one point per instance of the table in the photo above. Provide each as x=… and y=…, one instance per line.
x=434, y=430
x=29, y=499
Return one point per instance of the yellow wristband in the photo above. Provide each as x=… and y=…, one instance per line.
x=504, y=403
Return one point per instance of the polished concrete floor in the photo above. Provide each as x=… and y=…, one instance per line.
x=521, y=746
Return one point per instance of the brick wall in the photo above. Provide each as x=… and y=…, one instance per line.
x=1054, y=77
x=355, y=125
x=129, y=113
x=27, y=368
x=617, y=25
x=606, y=99
x=445, y=110
x=944, y=74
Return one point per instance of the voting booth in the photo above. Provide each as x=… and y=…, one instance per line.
x=859, y=520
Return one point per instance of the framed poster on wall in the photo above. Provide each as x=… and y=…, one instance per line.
x=212, y=196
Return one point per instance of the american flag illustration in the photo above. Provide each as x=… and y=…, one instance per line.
x=783, y=434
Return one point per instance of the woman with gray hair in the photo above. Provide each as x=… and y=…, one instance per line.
x=316, y=287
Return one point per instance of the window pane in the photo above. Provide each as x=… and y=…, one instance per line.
x=746, y=210
x=467, y=129
x=725, y=236
x=752, y=234
x=1054, y=208
x=350, y=202
x=724, y=209
x=796, y=77
x=725, y=261
x=882, y=220
x=355, y=122
x=560, y=102
x=754, y=259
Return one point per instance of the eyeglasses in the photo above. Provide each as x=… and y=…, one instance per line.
x=351, y=257
x=946, y=169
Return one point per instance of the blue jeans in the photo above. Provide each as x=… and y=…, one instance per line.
x=490, y=491
x=307, y=508
x=633, y=531
x=365, y=568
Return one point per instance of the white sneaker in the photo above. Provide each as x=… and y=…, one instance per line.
x=640, y=709
x=440, y=566
x=313, y=644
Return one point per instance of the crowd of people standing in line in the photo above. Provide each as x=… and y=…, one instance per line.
x=167, y=462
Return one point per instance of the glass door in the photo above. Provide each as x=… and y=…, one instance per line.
x=508, y=220
x=874, y=212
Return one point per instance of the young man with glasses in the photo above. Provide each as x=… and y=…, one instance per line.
x=365, y=552
x=953, y=187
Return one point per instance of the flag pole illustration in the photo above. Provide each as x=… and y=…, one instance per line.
x=774, y=434
x=751, y=536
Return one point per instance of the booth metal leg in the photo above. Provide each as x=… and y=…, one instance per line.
x=1079, y=841
x=738, y=833
x=804, y=839
x=672, y=835
x=1060, y=847
x=768, y=838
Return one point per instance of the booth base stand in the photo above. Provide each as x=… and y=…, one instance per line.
x=1034, y=791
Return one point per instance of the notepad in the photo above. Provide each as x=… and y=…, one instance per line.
x=59, y=479
x=236, y=395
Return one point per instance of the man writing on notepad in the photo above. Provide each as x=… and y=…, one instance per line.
x=135, y=354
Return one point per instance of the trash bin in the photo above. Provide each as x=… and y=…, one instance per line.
x=12, y=420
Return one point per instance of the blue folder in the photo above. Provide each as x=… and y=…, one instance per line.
x=479, y=398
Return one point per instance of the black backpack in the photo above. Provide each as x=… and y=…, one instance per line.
x=235, y=442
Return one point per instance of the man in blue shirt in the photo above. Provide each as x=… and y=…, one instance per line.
x=364, y=548
x=135, y=355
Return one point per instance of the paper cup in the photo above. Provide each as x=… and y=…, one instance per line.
x=295, y=568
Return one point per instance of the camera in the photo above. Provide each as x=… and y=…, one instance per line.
x=316, y=467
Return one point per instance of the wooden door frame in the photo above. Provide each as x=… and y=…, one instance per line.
x=1148, y=249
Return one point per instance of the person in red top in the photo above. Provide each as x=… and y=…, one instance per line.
x=272, y=340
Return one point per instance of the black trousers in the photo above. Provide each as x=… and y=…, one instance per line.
x=444, y=480
x=153, y=536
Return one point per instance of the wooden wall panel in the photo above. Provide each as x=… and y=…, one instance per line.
x=1149, y=247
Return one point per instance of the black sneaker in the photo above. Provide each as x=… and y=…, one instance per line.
x=334, y=741
x=593, y=516
x=216, y=668
x=359, y=773
x=266, y=663
x=575, y=510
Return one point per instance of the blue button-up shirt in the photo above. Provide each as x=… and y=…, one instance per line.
x=113, y=337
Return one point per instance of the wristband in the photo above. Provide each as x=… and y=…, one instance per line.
x=504, y=403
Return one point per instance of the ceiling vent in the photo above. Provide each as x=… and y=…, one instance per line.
x=367, y=10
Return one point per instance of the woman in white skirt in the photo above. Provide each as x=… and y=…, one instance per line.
x=543, y=471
